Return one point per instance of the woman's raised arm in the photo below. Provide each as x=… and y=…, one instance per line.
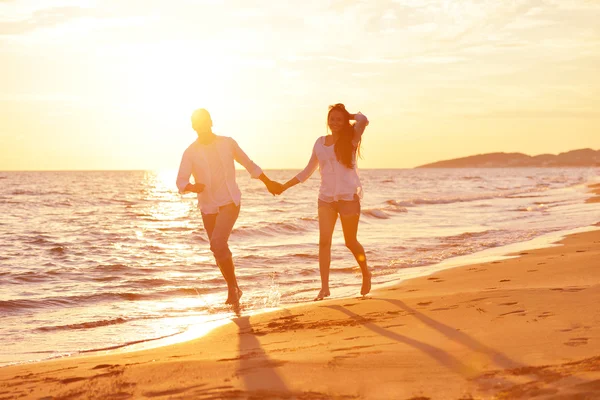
x=359, y=127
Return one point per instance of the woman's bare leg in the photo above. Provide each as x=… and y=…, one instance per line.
x=327, y=220
x=350, y=228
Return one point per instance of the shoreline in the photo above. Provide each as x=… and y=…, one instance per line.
x=441, y=336
x=513, y=328
x=200, y=330
x=490, y=255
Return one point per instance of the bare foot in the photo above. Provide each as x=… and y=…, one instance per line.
x=366, y=284
x=233, y=296
x=322, y=294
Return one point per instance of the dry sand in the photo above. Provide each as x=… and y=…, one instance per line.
x=518, y=328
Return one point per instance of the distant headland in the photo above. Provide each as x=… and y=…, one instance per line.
x=573, y=158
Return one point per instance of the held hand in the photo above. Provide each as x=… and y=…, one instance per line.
x=275, y=188
x=280, y=188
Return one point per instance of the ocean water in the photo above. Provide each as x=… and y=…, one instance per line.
x=99, y=260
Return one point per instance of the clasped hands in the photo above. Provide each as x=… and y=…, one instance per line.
x=275, y=188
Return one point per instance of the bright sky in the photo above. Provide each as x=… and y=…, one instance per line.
x=111, y=84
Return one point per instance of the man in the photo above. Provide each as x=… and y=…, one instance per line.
x=210, y=160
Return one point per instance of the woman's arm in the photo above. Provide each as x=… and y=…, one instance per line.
x=359, y=127
x=292, y=182
x=310, y=168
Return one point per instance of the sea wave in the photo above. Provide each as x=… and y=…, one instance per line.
x=375, y=213
x=85, y=325
x=24, y=192
x=32, y=276
x=538, y=207
x=19, y=305
x=414, y=202
x=391, y=207
x=460, y=238
x=111, y=268
x=275, y=228
x=58, y=250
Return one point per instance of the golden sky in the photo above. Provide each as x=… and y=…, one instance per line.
x=111, y=84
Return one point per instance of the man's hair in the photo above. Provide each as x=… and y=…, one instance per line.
x=201, y=118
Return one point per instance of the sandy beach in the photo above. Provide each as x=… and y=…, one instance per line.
x=518, y=328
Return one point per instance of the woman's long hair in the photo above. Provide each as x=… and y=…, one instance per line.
x=343, y=147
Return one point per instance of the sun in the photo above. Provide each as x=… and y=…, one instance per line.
x=168, y=81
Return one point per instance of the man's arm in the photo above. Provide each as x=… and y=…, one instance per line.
x=183, y=176
x=241, y=157
x=254, y=170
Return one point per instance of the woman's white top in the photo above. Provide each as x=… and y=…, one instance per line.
x=212, y=165
x=338, y=182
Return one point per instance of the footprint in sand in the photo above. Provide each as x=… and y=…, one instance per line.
x=518, y=312
x=545, y=314
x=445, y=308
x=71, y=380
x=574, y=342
x=102, y=366
x=569, y=289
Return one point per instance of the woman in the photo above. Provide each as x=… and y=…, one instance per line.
x=340, y=190
x=210, y=159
